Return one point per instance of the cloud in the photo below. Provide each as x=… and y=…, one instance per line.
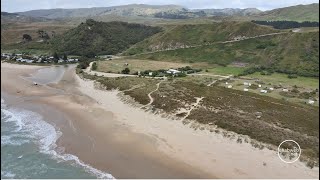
x=25, y=5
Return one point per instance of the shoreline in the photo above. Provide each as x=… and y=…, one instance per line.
x=209, y=154
x=90, y=132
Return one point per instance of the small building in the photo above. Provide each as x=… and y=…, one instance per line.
x=230, y=86
x=245, y=89
x=246, y=83
x=285, y=90
x=29, y=61
x=173, y=71
x=271, y=89
x=227, y=83
x=263, y=91
x=60, y=61
x=259, y=85
x=150, y=73
x=311, y=101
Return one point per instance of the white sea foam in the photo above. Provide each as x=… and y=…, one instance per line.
x=7, y=174
x=31, y=127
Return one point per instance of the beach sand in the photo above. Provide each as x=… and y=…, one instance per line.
x=130, y=143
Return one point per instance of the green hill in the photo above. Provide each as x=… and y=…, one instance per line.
x=187, y=35
x=296, y=53
x=92, y=37
x=300, y=13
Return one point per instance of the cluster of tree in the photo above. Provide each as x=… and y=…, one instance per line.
x=189, y=70
x=287, y=24
x=43, y=34
x=26, y=38
x=97, y=38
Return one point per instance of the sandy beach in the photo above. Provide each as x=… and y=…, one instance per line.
x=128, y=142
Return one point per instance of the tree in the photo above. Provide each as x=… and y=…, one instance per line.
x=55, y=56
x=26, y=37
x=65, y=57
x=94, y=66
x=125, y=71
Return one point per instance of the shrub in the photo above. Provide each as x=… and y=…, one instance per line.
x=125, y=71
x=292, y=76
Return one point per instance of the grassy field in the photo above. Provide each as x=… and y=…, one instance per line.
x=135, y=65
x=229, y=109
x=277, y=78
x=229, y=70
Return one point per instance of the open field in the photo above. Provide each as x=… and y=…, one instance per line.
x=277, y=78
x=228, y=70
x=135, y=65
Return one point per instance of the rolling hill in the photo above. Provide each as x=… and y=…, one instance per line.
x=293, y=13
x=187, y=35
x=92, y=37
x=292, y=53
x=300, y=13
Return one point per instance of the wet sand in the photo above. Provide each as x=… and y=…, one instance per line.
x=130, y=143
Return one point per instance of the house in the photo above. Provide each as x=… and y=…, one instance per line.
x=285, y=90
x=263, y=91
x=271, y=89
x=311, y=101
x=29, y=60
x=150, y=73
x=245, y=89
x=173, y=71
x=259, y=85
x=229, y=86
x=246, y=83
x=60, y=61
x=227, y=83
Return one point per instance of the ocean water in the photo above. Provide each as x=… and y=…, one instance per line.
x=28, y=149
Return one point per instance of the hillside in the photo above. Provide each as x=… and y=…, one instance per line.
x=300, y=13
x=125, y=10
x=92, y=37
x=16, y=18
x=230, y=11
x=296, y=53
x=186, y=35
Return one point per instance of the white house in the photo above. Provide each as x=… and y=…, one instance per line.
x=263, y=91
x=229, y=86
x=150, y=73
x=311, y=101
x=271, y=89
x=29, y=60
x=60, y=61
x=245, y=89
x=259, y=85
x=285, y=90
x=246, y=83
x=19, y=59
x=227, y=83
x=173, y=71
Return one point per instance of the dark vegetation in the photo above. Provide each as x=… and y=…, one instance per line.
x=96, y=38
x=287, y=24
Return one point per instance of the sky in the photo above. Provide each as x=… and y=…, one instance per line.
x=25, y=5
